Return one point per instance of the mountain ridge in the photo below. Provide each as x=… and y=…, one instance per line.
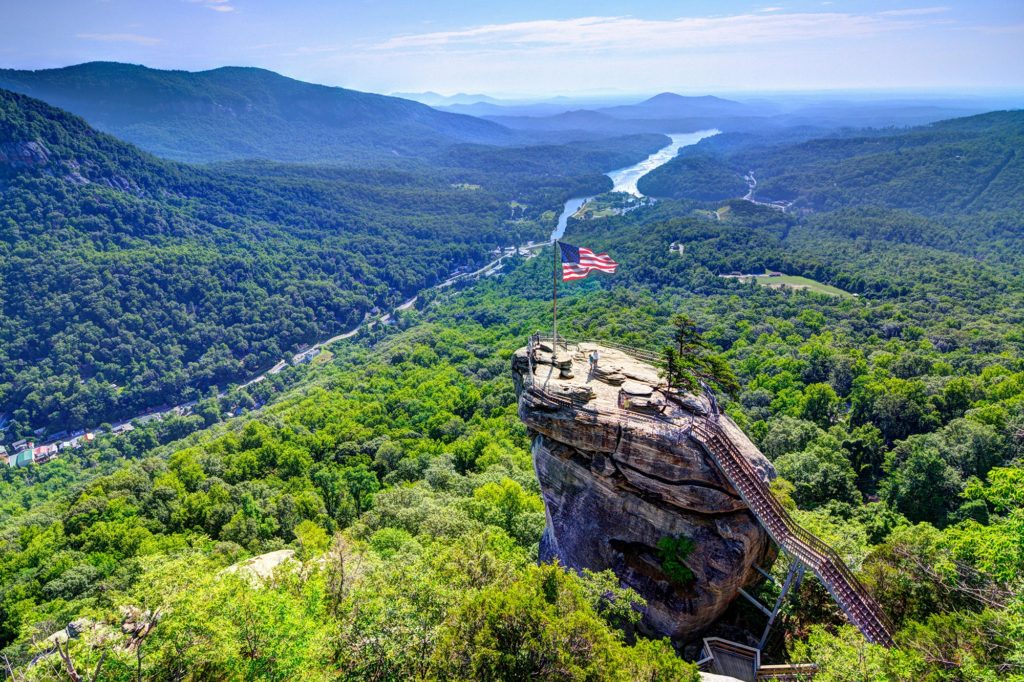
x=232, y=113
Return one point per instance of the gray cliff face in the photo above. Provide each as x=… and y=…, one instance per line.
x=614, y=485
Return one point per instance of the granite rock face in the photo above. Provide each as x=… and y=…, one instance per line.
x=615, y=481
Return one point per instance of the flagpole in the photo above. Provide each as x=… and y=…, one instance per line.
x=554, y=302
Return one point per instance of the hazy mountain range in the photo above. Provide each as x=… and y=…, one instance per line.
x=235, y=113
x=232, y=113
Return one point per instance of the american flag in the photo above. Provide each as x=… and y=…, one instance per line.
x=578, y=262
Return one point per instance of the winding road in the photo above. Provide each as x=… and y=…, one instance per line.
x=623, y=179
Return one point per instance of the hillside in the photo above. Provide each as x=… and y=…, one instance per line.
x=392, y=477
x=401, y=477
x=247, y=113
x=967, y=164
x=130, y=282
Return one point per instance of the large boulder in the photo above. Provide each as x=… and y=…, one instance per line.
x=618, y=476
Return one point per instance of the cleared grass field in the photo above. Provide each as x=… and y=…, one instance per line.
x=794, y=282
x=798, y=282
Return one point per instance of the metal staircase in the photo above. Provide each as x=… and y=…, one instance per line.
x=851, y=596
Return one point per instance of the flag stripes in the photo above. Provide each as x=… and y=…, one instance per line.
x=578, y=262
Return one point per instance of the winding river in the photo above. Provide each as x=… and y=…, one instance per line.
x=625, y=179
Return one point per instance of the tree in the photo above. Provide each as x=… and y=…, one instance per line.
x=692, y=359
x=898, y=407
x=311, y=538
x=673, y=552
x=922, y=487
x=505, y=504
x=362, y=484
x=820, y=405
x=788, y=434
x=866, y=450
x=820, y=473
x=542, y=627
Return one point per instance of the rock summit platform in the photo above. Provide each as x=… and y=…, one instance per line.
x=619, y=471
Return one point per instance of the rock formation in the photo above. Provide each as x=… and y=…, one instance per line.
x=619, y=472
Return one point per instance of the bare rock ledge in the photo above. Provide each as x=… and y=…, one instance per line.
x=615, y=481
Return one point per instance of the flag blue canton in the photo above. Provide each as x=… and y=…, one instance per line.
x=570, y=253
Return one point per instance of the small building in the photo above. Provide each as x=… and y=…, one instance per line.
x=22, y=459
x=44, y=453
x=20, y=445
x=122, y=428
x=305, y=356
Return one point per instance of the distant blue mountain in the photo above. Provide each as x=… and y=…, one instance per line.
x=434, y=99
x=669, y=105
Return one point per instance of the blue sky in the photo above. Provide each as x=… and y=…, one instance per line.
x=542, y=47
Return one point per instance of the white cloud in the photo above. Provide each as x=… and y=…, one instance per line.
x=771, y=9
x=914, y=12
x=605, y=34
x=216, y=5
x=120, y=38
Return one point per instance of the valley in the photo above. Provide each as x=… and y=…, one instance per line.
x=624, y=180
x=308, y=353
x=306, y=330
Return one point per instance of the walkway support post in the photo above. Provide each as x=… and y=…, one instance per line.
x=793, y=580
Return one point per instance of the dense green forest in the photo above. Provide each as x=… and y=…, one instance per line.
x=400, y=475
x=236, y=113
x=967, y=164
x=895, y=422
x=128, y=282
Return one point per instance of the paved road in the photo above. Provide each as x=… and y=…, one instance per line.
x=185, y=408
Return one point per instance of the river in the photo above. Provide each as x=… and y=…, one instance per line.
x=625, y=179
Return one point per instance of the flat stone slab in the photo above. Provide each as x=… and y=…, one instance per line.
x=653, y=404
x=610, y=375
x=644, y=373
x=636, y=388
x=573, y=391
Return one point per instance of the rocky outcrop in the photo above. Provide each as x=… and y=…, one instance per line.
x=24, y=154
x=33, y=155
x=619, y=472
x=260, y=568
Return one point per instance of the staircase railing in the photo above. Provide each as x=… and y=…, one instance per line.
x=641, y=354
x=852, y=597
